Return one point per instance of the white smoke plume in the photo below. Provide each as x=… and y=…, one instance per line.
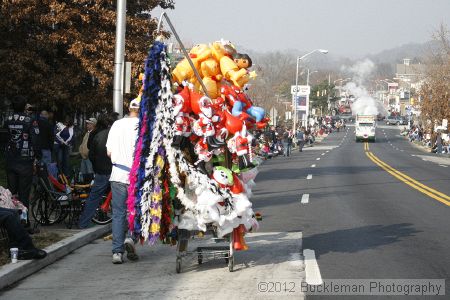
x=364, y=103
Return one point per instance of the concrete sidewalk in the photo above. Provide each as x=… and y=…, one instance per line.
x=11, y=273
x=89, y=274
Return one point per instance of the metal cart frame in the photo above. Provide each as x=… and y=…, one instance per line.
x=204, y=253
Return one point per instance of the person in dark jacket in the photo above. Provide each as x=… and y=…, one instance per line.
x=18, y=237
x=102, y=166
x=21, y=150
x=45, y=137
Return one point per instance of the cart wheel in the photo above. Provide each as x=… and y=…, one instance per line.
x=200, y=258
x=231, y=264
x=178, y=265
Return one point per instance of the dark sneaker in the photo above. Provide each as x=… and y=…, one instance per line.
x=131, y=250
x=31, y=254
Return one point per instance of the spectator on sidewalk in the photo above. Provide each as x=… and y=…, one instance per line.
x=45, y=137
x=287, y=142
x=62, y=144
x=102, y=166
x=21, y=150
x=18, y=237
x=438, y=142
x=301, y=139
x=86, y=170
x=120, y=146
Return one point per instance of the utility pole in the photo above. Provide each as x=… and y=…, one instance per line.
x=119, y=56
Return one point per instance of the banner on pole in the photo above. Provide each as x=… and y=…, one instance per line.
x=301, y=97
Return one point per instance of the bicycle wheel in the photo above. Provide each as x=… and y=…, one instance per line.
x=103, y=215
x=54, y=212
x=36, y=207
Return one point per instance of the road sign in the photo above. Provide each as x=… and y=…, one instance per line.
x=302, y=89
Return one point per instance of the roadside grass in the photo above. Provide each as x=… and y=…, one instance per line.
x=41, y=240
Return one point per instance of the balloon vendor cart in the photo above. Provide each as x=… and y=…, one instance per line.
x=194, y=162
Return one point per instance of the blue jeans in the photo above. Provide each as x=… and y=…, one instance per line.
x=119, y=215
x=287, y=148
x=86, y=167
x=46, y=156
x=62, y=153
x=300, y=145
x=101, y=184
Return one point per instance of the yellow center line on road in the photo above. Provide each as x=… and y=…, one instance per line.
x=441, y=197
x=366, y=146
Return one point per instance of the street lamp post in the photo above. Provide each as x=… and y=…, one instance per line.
x=119, y=56
x=294, y=101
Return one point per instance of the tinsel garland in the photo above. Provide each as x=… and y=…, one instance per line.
x=132, y=188
x=147, y=119
x=167, y=210
x=151, y=201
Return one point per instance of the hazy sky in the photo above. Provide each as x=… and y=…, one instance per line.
x=344, y=27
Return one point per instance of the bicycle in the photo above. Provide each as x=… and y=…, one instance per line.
x=55, y=201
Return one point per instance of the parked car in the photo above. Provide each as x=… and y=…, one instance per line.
x=393, y=120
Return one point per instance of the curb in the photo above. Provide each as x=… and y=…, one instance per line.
x=12, y=273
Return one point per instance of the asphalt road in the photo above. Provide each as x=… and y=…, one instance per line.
x=360, y=221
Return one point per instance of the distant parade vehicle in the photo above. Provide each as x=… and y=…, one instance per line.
x=343, y=108
x=365, y=128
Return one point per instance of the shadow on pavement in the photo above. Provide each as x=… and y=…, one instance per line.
x=358, y=239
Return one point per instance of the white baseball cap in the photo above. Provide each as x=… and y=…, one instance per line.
x=92, y=120
x=135, y=103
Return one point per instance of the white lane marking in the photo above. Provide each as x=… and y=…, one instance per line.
x=323, y=154
x=444, y=166
x=309, y=176
x=305, y=198
x=312, y=270
x=313, y=166
x=318, y=158
x=327, y=151
x=402, y=150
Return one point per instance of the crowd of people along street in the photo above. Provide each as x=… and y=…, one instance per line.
x=106, y=153
x=282, y=140
x=438, y=141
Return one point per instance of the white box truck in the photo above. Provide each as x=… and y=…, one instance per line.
x=365, y=128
